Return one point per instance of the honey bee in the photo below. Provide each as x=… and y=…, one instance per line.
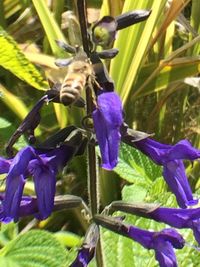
x=83, y=70
x=80, y=71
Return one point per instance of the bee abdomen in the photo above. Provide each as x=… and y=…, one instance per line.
x=71, y=89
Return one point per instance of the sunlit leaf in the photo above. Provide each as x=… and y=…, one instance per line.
x=14, y=60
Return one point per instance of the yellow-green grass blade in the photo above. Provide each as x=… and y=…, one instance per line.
x=50, y=25
x=15, y=61
x=175, y=8
x=61, y=115
x=155, y=72
x=133, y=43
x=195, y=22
x=174, y=71
x=13, y=102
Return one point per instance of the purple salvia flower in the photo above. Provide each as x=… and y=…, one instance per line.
x=179, y=218
x=28, y=206
x=87, y=251
x=170, y=157
x=107, y=121
x=43, y=165
x=161, y=242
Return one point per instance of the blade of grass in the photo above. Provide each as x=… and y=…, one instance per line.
x=171, y=72
x=13, y=102
x=132, y=58
x=163, y=63
x=50, y=25
x=175, y=8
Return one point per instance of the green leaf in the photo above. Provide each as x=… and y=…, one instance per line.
x=134, y=193
x=135, y=167
x=15, y=61
x=68, y=239
x=34, y=249
x=4, y=123
x=8, y=263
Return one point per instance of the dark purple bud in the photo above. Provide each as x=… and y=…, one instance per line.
x=101, y=73
x=140, y=209
x=28, y=125
x=129, y=136
x=63, y=62
x=129, y=18
x=87, y=251
x=104, y=31
x=110, y=53
x=68, y=48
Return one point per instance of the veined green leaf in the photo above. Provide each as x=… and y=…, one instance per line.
x=135, y=167
x=34, y=249
x=14, y=60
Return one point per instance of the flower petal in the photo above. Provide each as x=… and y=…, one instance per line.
x=45, y=186
x=174, y=174
x=87, y=251
x=13, y=195
x=183, y=150
x=107, y=121
x=165, y=255
x=4, y=165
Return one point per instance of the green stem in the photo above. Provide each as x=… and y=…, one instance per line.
x=93, y=181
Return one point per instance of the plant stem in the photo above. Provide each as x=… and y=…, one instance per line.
x=92, y=158
x=93, y=182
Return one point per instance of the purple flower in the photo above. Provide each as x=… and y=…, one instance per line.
x=107, y=121
x=171, y=158
x=87, y=251
x=162, y=242
x=43, y=166
x=28, y=206
x=179, y=218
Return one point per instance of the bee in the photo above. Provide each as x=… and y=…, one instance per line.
x=80, y=72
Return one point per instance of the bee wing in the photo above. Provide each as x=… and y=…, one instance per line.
x=63, y=62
